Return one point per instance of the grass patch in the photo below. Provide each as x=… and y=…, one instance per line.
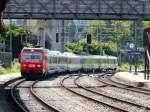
x=123, y=67
x=126, y=67
x=15, y=68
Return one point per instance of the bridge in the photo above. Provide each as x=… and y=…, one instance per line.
x=79, y=9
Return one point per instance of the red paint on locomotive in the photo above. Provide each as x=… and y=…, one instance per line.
x=32, y=62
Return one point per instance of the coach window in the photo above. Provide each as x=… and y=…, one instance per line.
x=65, y=60
x=62, y=60
x=113, y=61
x=75, y=61
x=50, y=60
x=59, y=60
x=54, y=60
x=110, y=61
x=69, y=61
x=105, y=61
x=72, y=61
x=100, y=61
x=97, y=61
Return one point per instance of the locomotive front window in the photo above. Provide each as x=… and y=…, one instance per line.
x=32, y=56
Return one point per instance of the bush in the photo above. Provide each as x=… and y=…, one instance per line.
x=15, y=68
x=126, y=67
x=123, y=67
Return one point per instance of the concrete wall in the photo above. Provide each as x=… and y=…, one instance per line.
x=50, y=27
x=5, y=59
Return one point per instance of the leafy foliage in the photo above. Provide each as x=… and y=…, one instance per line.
x=81, y=46
x=12, y=29
x=14, y=32
x=123, y=67
x=15, y=68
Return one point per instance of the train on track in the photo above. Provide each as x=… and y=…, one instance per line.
x=37, y=63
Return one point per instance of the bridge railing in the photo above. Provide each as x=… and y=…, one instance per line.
x=78, y=9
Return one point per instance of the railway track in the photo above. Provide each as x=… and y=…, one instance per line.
x=7, y=104
x=9, y=82
x=40, y=99
x=25, y=108
x=90, y=98
x=22, y=108
x=108, y=96
x=105, y=78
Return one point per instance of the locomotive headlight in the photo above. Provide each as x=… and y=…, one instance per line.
x=39, y=65
x=24, y=65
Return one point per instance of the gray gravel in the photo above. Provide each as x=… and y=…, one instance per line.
x=117, y=93
x=66, y=101
x=60, y=98
x=28, y=100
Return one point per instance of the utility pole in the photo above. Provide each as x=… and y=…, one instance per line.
x=10, y=37
x=119, y=27
x=41, y=37
x=137, y=35
x=63, y=36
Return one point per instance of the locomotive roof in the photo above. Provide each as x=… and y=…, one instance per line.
x=32, y=48
x=26, y=49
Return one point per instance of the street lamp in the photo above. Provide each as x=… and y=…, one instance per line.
x=131, y=46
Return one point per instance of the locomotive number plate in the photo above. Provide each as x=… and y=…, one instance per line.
x=31, y=65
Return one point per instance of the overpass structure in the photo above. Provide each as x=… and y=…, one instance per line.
x=79, y=9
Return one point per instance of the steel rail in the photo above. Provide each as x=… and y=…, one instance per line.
x=123, y=86
x=10, y=81
x=40, y=99
x=23, y=109
x=107, y=96
x=89, y=98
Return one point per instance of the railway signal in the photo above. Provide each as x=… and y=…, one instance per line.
x=88, y=37
x=24, y=37
x=57, y=37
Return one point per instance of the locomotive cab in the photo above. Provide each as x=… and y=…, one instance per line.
x=32, y=63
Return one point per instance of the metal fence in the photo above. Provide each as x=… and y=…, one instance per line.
x=5, y=59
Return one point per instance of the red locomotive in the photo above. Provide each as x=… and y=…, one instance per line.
x=32, y=63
